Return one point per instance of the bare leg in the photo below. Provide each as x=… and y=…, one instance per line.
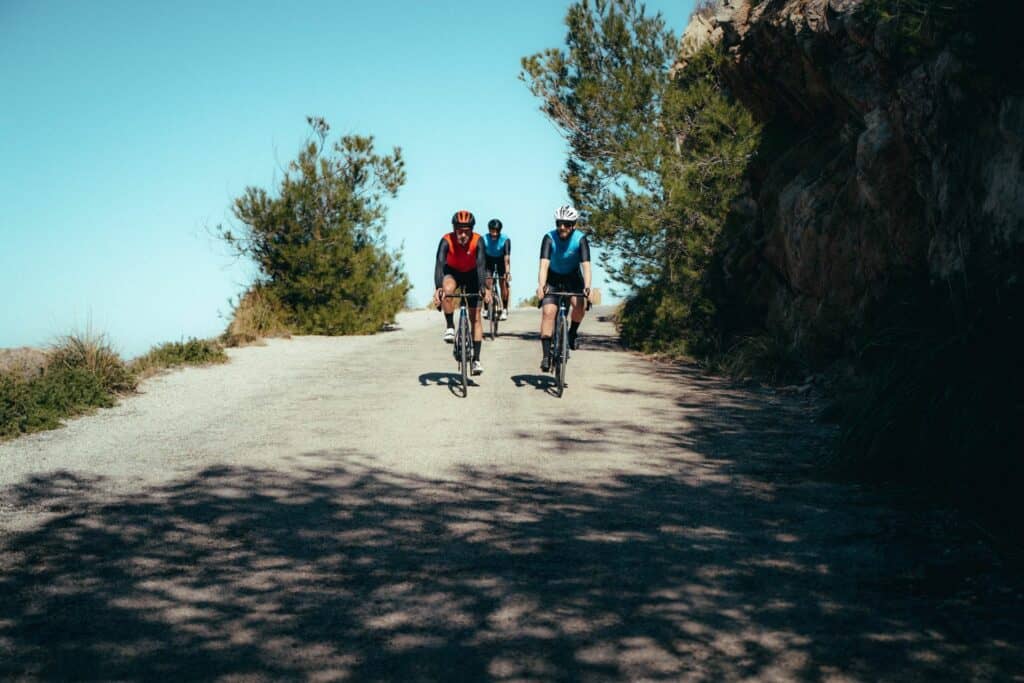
x=448, y=285
x=579, y=309
x=547, y=321
x=478, y=328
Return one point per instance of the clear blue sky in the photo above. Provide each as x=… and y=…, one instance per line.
x=128, y=127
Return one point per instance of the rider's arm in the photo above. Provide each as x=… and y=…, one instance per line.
x=545, y=248
x=545, y=262
x=585, y=262
x=481, y=264
x=442, y=259
x=508, y=257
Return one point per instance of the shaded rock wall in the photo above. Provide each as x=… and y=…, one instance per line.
x=879, y=165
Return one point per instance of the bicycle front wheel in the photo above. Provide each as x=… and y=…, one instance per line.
x=492, y=310
x=465, y=344
x=561, y=356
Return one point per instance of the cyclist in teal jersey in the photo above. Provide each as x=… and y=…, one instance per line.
x=565, y=267
x=498, y=252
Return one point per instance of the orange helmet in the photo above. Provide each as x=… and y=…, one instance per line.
x=463, y=217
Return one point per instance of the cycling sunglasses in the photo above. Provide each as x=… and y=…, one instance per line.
x=565, y=224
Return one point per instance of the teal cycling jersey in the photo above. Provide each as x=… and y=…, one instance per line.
x=498, y=247
x=565, y=255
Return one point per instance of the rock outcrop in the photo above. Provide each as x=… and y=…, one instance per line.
x=881, y=162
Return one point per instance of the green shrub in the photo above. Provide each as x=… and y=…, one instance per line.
x=653, y=321
x=34, y=405
x=318, y=238
x=176, y=354
x=768, y=357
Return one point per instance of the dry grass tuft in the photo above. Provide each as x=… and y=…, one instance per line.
x=256, y=316
x=94, y=354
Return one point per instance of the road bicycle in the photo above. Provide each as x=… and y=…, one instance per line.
x=560, y=338
x=463, y=350
x=496, y=304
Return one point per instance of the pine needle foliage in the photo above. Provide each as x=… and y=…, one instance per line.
x=656, y=157
x=319, y=243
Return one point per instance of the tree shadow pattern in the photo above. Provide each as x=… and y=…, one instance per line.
x=728, y=563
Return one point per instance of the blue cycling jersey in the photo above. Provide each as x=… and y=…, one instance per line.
x=565, y=255
x=495, y=248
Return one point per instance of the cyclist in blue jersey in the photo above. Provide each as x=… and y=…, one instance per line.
x=498, y=253
x=564, y=266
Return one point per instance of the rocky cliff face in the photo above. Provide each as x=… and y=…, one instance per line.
x=884, y=159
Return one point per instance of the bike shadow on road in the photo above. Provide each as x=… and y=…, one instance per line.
x=545, y=383
x=452, y=380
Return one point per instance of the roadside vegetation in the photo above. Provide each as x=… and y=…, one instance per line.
x=656, y=157
x=324, y=268
x=79, y=373
x=177, y=354
x=256, y=316
x=318, y=243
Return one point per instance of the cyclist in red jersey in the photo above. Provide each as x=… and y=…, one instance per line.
x=461, y=263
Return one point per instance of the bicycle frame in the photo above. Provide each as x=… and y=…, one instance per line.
x=560, y=338
x=463, y=339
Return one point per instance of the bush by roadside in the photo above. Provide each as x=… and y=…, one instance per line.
x=78, y=374
x=177, y=354
x=92, y=353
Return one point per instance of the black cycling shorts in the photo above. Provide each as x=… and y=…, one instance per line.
x=496, y=263
x=568, y=282
x=468, y=281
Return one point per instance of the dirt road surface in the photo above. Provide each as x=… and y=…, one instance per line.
x=328, y=509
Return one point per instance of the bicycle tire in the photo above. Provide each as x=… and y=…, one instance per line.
x=464, y=346
x=500, y=306
x=492, y=309
x=560, y=355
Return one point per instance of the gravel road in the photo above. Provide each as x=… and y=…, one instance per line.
x=328, y=509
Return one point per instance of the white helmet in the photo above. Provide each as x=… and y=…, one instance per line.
x=567, y=213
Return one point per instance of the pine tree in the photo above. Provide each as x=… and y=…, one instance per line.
x=656, y=157
x=319, y=242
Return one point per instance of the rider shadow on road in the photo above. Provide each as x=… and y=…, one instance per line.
x=451, y=380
